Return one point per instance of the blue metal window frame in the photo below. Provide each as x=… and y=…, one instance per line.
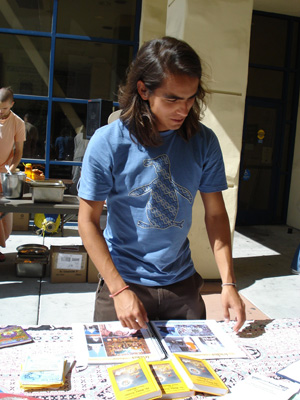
x=50, y=99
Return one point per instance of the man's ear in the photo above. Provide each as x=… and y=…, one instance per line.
x=142, y=90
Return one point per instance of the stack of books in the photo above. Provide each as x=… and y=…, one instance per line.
x=43, y=372
x=178, y=377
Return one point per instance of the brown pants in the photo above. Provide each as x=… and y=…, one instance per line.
x=182, y=300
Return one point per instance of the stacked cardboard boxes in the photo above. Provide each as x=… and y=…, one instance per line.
x=71, y=264
x=68, y=264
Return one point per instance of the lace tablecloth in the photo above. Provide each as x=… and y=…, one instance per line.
x=269, y=344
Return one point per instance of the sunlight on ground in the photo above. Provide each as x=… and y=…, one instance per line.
x=245, y=247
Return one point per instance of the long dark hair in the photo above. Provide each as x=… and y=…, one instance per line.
x=155, y=60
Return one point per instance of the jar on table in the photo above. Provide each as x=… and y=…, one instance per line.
x=28, y=170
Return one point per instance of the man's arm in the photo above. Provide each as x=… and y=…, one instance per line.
x=218, y=230
x=18, y=151
x=129, y=308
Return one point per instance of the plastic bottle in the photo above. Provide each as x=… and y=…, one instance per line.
x=28, y=170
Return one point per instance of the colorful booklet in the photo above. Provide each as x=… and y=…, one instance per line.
x=133, y=380
x=204, y=339
x=13, y=335
x=43, y=371
x=291, y=372
x=169, y=380
x=199, y=375
x=109, y=342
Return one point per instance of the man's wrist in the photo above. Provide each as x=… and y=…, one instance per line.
x=118, y=291
x=228, y=284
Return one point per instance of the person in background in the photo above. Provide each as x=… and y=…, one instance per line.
x=32, y=135
x=12, y=136
x=149, y=165
x=80, y=145
x=60, y=145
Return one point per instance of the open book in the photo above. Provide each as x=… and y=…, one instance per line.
x=110, y=343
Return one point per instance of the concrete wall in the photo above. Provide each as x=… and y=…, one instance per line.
x=293, y=217
x=153, y=19
x=220, y=32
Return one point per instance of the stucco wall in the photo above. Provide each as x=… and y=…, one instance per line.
x=293, y=218
x=219, y=30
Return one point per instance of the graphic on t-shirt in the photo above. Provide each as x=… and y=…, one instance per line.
x=162, y=206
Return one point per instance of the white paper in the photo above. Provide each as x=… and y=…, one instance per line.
x=292, y=372
x=69, y=261
x=260, y=387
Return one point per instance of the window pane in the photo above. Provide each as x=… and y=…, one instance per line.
x=265, y=83
x=110, y=19
x=36, y=114
x=260, y=182
x=34, y=15
x=268, y=41
x=61, y=172
x=89, y=70
x=295, y=44
x=24, y=63
x=68, y=120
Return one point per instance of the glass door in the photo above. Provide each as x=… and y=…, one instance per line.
x=259, y=171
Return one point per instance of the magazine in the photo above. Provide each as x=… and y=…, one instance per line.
x=109, y=342
x=204, y=339
x=13, y=335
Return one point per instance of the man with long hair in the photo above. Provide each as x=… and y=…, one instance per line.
x=148, y=166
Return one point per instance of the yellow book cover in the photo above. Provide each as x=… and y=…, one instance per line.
x=169, y=380
x=199, y=375
x=133, y=380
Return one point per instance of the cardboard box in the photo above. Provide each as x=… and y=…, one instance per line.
x=68, y=264
x=93, y=273
x=20, y=221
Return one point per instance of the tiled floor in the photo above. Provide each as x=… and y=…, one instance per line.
x=262, y=258
x=211, y=294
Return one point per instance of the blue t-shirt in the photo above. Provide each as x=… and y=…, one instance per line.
x=150, y=192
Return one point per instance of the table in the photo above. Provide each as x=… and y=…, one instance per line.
x=69, y=205
x=270, y=344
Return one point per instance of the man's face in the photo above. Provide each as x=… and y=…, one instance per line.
x=5, y=107
x=172, y=101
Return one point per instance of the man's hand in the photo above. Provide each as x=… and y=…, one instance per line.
x=232, y=300
x=130, y=310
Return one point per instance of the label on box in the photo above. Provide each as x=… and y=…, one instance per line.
x=69, y=261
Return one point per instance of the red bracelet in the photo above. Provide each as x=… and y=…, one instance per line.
x=119, y=291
